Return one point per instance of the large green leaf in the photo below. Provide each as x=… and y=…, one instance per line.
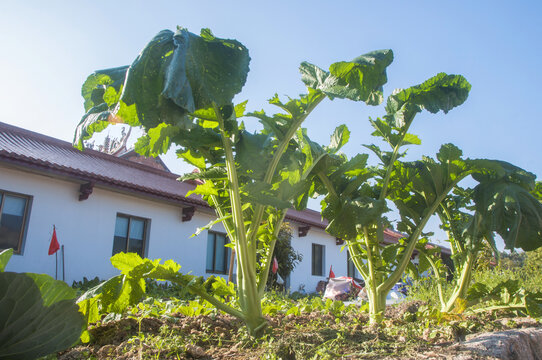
x=360, y=79
x=179, y=73
x=253, y=153
x=349, y=215
x=511, y=211
x=441, y=92
x=99, y=83
x=339, y=138
x=157, y=141
x=32, y=324
x=537, y=191
x=175, y=75
x=416, y=186
x=52, y=291
x=101, y=92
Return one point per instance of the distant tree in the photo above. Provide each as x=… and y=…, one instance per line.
x=512, y=260
x=286, y=256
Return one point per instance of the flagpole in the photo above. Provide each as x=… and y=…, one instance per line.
x=53, y=249
x=56, y=265
x=63, y=268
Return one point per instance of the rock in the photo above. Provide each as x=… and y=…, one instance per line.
x=195, y=351
x=524, y=344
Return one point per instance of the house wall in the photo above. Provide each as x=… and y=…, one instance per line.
x=333, y=256
x=86, y=228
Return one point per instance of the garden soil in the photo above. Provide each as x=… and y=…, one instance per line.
x=313, y=336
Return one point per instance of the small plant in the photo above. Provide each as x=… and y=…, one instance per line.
x=502, y=203
x=85, y=284
x=357, y=196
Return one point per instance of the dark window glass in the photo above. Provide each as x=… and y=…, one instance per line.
x=130, y=235
x=351, y=268
x=217, y=254
x=13, y=210
x=317, y=260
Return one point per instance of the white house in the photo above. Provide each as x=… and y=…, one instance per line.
x=101, y=204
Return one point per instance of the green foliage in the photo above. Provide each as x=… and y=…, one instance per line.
x=38, y=315
x=426, y=289
x=176, y=74
x=360, y=79
x=357, y=195
x=180, y=89
x=504, y=294
x=532, y=267
x=441, y=92
x=506, y=207
x=120, y=292
x=501, y=204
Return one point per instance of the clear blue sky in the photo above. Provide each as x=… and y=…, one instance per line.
x=49, y=47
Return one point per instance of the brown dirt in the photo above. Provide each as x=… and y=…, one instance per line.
x=310, y=335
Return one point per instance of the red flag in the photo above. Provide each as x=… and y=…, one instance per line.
x=53, y=246
x=275, y=267
x=331, y=273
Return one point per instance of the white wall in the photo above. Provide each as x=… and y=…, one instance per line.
x=86, y=228
x=333, y=256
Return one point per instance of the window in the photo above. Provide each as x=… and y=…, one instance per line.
x=13, y=220
x=318, y=252
x=130, y=235
x=217, y=254
x=351, y=268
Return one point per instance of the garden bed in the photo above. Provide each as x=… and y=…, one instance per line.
x=409, y=331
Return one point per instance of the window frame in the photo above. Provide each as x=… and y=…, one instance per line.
x=314, y=269
x=26, y=217
x=146, y=233
x=227, y=253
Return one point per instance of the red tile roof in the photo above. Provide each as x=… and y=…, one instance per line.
x=24, y=148
x=45, y=154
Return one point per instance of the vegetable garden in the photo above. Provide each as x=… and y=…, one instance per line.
x=180, y=90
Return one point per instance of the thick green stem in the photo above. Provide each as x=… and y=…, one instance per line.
x=328, y=184
x=176, y=278
x=355, y=253
x=375, y=306
x=279, y=152
x=462, y=284
x=249, y=298
x=413, y=239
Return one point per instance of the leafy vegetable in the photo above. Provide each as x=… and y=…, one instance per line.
x=182, y=86
x=38, y=316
